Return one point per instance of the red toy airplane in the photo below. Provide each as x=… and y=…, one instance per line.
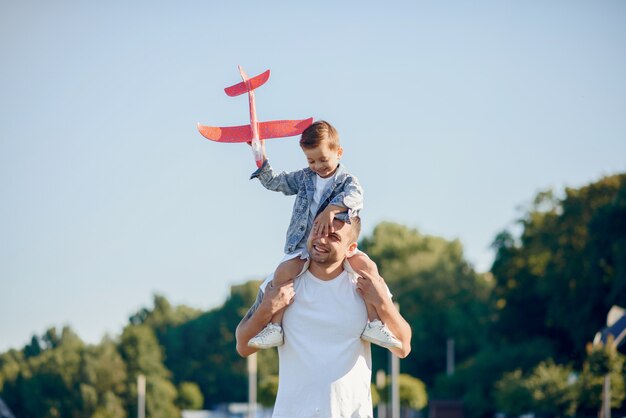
x=256, y=131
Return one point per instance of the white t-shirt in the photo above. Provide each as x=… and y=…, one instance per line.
x=324, y=367
x=320, y=185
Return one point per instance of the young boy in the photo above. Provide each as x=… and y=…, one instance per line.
x=327, y=189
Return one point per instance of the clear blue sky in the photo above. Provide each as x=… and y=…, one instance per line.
x=453, y=114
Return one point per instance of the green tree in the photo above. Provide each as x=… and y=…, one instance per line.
x=555, y=283
x=511, y=394
x=198, y=349
x=189, y=396
x=268, y=389
x=547, y=391
x=102, y=379
x=568, y=267
x=438, y=292
x=44, y=384
x=412, y=392
x=163, y=314
x=601, y=360
x=376, y=398
x=111, y=406
x=474, y=378
x=143, y=355
x=552, y=390
x=10, y=364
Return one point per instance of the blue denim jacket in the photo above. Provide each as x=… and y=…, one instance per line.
x=345, y=191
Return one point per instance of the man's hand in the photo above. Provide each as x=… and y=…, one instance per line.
x=372, y=288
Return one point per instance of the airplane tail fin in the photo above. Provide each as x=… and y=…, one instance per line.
x=248, y=85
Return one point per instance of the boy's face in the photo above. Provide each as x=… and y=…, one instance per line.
x=322, y=160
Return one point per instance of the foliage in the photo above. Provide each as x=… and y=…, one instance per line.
x=197, y=350
x=601, y=360
x=268, y=388
x=376, y=398
x=473, y=380
x=568, y=267
x=189, y=396
x=512, y=395
x=412, y=392
x=547, y=390
x=44, y=380
x=438, y=292
x=143, y=356
x=547, y=293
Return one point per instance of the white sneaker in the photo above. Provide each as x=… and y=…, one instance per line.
x=376, y=332
x=270, y=336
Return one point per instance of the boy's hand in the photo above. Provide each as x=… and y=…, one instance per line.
x=371, y=288
x=262, y=148
x=277, y=298
x=323, y=224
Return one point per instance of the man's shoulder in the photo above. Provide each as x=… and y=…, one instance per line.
x=347, y=267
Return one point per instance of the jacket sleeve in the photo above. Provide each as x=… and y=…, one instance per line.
x=286, y=182
x=350, y=197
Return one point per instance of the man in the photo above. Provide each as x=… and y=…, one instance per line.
x=324, y=366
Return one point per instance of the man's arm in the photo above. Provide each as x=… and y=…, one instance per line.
x=259, y=315
x=374, y=291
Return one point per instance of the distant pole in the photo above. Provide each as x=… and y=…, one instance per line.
x=607, y=396
x=450, y=356
x=395, y=389
x=252, y=372
x=141, y=396
x=380, y=385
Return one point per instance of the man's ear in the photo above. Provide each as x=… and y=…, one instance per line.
x=352, y=248
x=339, y=152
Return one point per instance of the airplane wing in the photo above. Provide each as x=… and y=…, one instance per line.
x=231, y=134
x=283, y=128
x=241, y=88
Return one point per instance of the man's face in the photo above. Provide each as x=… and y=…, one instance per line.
x=334, y=247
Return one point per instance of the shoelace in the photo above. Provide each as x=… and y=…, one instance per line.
x=265, y=332
x=387, y=333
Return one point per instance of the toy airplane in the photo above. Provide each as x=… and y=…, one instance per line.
x=256, y=131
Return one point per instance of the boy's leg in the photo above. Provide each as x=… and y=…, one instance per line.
x=375, y=331
x=361, y=263
x=272, y=334
x=287, y=270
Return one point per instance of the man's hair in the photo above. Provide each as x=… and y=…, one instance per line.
x=318, y=132
x=355, y=228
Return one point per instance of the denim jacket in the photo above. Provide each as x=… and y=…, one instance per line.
x=345, y=191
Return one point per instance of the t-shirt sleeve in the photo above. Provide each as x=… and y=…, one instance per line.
x=265, y=282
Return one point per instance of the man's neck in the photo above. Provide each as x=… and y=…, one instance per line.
x=326, y=272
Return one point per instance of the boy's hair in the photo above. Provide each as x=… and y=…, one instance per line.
x=318, y=132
